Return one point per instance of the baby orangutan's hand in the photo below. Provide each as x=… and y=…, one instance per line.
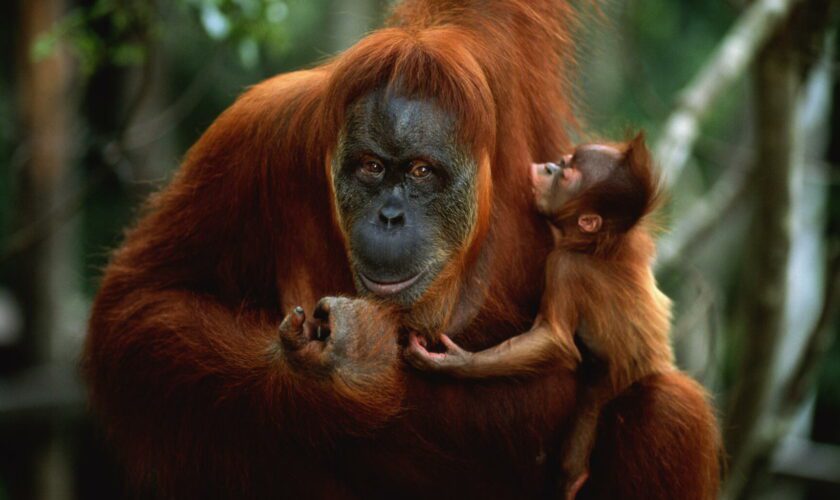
x=454, y=360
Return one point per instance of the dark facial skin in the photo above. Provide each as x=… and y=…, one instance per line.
x=406, y=194
x=557, y=183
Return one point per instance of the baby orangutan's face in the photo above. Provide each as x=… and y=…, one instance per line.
x=557, y=183
x=554, y=184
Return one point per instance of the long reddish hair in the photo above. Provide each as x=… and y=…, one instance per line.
x=498, y=68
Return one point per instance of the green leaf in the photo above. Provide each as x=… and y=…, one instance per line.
x=44, y=46
x=129, y=54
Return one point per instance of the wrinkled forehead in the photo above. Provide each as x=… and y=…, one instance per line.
x=597, y=161
x=598, y=152
x=400, y=125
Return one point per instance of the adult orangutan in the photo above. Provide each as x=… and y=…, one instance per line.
x=399, y=171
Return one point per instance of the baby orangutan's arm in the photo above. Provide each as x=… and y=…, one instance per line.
x=525, y=354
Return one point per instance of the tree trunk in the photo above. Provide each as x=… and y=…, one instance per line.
x=762, y=319
x=784, y=278
x=44, y=269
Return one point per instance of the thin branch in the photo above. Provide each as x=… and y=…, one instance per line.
x=729, y=61
x=140, y=134
x=702, y=309
x=705, y=215
x=144, y=88
x=819, y=340
x=802, y=458
x=39, y=230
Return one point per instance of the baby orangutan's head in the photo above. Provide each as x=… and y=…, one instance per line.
x=598, y=187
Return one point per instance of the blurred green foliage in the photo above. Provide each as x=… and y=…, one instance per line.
x=246, y=24
x=633, y=79
x=119, y=31
x=109, y=31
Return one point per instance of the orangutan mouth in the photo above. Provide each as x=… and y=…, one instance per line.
x=380, y=288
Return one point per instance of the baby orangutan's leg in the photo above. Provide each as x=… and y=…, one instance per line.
x=574, y=462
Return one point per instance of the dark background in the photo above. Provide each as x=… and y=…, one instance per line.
x=99, y=100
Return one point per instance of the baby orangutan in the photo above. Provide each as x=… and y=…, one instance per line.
x=599, y=285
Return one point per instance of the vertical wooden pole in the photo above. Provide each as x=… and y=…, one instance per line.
x=43, y=270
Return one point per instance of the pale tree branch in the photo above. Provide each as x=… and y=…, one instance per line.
x=729, y=61
x=705, y=214
x=819, y=340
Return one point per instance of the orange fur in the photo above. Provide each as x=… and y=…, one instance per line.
x=599, y=286
x=182, y=355
x=607, y=275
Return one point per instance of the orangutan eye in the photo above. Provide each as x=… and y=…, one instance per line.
x=420, y=169
x=371, y=167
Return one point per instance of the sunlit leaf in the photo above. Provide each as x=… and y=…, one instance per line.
x=249, y=52
x=215, y=23
x=276, y=12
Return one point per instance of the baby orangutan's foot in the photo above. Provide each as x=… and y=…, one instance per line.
x=574, y=472
x=573, y=488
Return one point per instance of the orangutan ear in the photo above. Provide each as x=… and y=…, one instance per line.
x=589, y=223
